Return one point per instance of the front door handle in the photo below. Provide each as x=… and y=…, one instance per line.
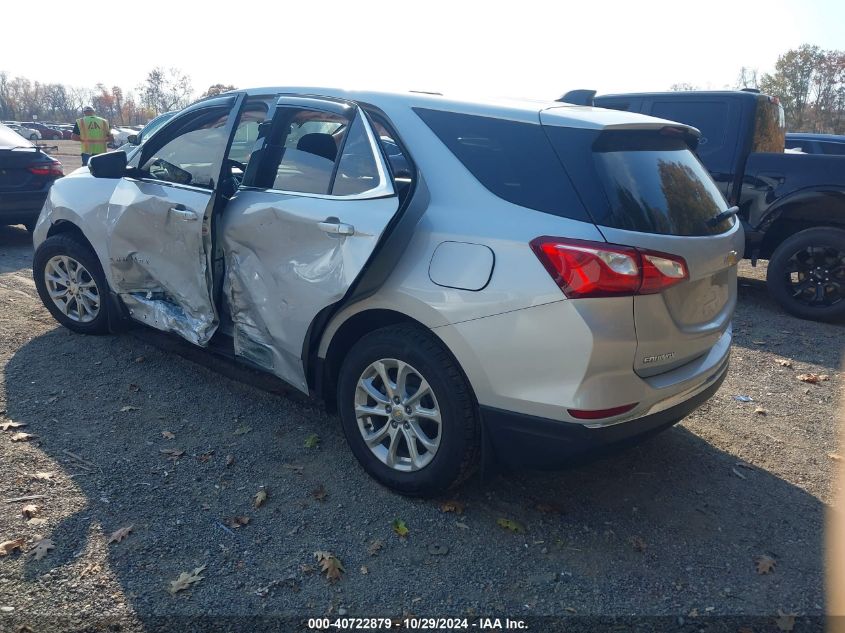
x=182, y=212
x=334, y=226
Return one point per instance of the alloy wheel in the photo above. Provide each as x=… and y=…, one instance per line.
x=398, y=415
x=816, y=276
x=72, y=288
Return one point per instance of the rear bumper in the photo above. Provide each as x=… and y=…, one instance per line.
x=23, y=206
x=524, y=440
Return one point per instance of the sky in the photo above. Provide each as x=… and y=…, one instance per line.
x=513, y=48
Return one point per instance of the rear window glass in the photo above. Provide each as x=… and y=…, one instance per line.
x=709, y=117
x=656, y=185
x=513, y=160
x=10, y=138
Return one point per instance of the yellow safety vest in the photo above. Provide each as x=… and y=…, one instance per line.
x=94, y=132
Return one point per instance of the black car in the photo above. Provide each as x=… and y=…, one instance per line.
x=833, y=144
x=26, y=174
x=792, y=206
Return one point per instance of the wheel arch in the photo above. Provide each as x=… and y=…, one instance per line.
x=802, y=210
x=67, y=227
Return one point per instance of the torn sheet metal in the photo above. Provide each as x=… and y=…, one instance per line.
x=158, y=243
x=282, y=269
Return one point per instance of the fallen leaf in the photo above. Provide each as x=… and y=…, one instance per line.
x=400, y=528
x=835, y=457
x=40, y=549
x=11, y=425
x=765, y=564
x=761, y=411
x=129, y=407
x=364, y=570
x=785, y=621
x=44, y=476
x=784, y=362
x=452, y=506
x=134, y=387
x=312, y=440
x=638, y=543
x=319, y=493
x=511, y=525
x=260, y=498
x=243, y=429
x=813, y=379
x=140, y=359
x=30, y=510
x=463, y=526
x=305, y=568
x=230, y=459
x=7, y=547
x=118, y=535
x=375, y=547
x=168, y=435
x=236, y=522
x=330, y=565
x=185, y=579
x=737, y=473
x=52, y=400
x=22, y=437
x=172, y=453
x=202, y=459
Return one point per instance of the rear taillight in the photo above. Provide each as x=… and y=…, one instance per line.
x=47, y=169
x=597, y=269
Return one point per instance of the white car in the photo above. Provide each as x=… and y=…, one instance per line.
x=29, y=133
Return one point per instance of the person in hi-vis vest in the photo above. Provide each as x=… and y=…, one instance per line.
x=94, y=133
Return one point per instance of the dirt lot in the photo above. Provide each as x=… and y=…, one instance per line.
x=673, y=527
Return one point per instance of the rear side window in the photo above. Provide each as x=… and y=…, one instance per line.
x=710, y=117
x=513, y=160
x=833, y=149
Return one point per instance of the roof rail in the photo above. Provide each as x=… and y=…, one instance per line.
x=754, y=90
x=579, y=97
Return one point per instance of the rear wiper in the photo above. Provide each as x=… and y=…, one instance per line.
x=721, y=217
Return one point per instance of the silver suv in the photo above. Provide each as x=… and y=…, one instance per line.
x=549, y=278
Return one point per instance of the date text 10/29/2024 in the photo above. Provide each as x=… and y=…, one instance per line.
x=416, y=624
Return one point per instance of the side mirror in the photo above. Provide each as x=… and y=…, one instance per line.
x=132, y=139
x=108, y=165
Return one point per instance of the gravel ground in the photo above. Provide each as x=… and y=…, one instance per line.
x=671, y=527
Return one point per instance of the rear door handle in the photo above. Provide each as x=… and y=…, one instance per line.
x=182, y=212
x=334, y=226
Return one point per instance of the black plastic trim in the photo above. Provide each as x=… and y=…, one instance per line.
x=530, y=441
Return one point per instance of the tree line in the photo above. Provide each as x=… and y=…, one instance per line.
x=808, y=80
x=161, y=91
x=810, y=83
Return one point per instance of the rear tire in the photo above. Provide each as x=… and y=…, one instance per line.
x=424, y=411
x=806, y=274
x=71, y=284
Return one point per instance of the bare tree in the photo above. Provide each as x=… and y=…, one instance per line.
x=683, y=87
x=165, y=90
x=748, y=78
x=217, y=89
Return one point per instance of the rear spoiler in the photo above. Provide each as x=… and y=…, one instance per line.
x=579, y=97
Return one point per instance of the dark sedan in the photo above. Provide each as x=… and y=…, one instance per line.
x=26, y=174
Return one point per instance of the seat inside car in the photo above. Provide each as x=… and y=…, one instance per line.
x=318, y=143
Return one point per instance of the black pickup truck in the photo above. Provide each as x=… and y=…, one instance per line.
x=792, y=206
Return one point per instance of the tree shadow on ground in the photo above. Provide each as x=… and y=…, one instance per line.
x=669, y=526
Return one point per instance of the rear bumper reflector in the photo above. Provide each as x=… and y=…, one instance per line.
x=598, y=414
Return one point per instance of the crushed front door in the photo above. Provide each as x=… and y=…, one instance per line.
x=159, y=223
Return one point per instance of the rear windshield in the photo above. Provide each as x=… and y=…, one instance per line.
x=769, y=126
x=10, y=138
x=512, y=159
x=651, y=183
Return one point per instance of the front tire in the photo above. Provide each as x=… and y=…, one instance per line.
x=71, y=284
x=407, y=411
x=806, y=274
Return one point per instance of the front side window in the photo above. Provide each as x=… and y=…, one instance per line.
x=189, y=158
